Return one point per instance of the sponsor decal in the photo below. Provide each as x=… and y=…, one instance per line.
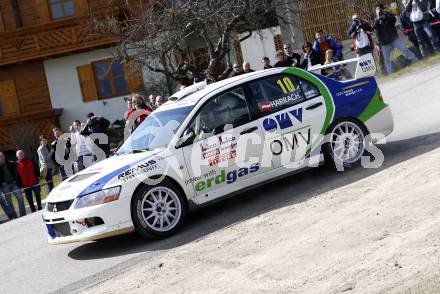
x=221, y=150
x=134, y=172
x=290, y=99
x=292, y=141
x=226, y=177
x=366, y=65
x=283, y=121
x=223, y=157
x=211, y=173
x=349, y=92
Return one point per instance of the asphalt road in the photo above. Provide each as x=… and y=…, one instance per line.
x=29, y=265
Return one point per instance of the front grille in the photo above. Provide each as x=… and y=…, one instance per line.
x=59, y=206
x=62, y=229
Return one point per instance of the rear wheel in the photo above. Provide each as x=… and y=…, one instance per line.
x=158, y=211
x=346, y=144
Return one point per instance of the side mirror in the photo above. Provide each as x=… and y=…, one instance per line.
x=187, y=139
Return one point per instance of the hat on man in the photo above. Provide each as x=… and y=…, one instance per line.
x=90, y=115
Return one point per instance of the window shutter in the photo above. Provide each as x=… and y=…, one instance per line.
x=43, y=10
x=81, y=7
x=133, y=78
x=2, y=26
x=87, y=82
x=8, y=97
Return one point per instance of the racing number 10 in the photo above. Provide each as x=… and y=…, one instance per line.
x=286, y=85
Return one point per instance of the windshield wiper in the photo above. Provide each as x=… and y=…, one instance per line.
x=140, y=150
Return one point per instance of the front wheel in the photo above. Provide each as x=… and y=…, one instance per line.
x=346, y=144
x=158, y=211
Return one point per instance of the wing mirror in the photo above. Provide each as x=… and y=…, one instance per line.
x=187, y=138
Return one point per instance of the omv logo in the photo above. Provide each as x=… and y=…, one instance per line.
x=366, y=65
x=283, y=121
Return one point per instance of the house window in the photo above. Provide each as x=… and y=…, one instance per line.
x=107, y=79
x=61, y=8
x=110, y=78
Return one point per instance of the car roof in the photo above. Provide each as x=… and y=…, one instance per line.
x=191, y=95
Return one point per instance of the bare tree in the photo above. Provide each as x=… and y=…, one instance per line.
x=158, y=34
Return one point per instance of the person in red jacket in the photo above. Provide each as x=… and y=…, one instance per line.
x=28, y=173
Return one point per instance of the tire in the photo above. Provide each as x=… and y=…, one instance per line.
x=346, y=144
x=158, y=211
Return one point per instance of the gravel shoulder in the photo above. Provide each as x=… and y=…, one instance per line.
x=377, y=234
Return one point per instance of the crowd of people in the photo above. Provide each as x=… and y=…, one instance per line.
x=68, y=154
x=416, y=19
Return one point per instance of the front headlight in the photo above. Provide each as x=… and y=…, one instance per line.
x=100, y=197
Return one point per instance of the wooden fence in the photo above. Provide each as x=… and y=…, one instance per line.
x=334, y=17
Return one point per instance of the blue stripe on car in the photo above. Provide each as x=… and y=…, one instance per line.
x=99, y=184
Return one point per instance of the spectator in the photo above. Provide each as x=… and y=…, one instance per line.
x=141, y=110
x=386, y=32
x=45, y=160
x=236, y=70
x=332, y=72
x=247, y=67
x=28, y=173
x=361, y=32
x=96, y=126
x=266, y=62
x=210, y=78
x=281, y=60
x=9, y=185
x=82, y=146
x=420, y=15
x=309, y=56
x=408, y=30
x=322, y=43
x=291, y=57
x=159, y=101
x=61, y=151
x=130, y=109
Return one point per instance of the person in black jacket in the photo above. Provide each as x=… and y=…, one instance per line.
x=61, y=148
x=309, y=56
x=96, y=127
x=385, y=26
x=292, y=58
x=10, y=185
x=361, y=31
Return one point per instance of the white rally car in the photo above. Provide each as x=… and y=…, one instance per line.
x=215, y=140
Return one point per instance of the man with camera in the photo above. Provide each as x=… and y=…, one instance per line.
x=385, y=26
x=361, y=31
x=95, y=129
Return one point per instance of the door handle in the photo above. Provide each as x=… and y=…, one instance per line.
x=250, y=130
x=313, y=106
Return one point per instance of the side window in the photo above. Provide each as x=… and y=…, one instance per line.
x=276, y=93
x=224, y=112
x=310, y=91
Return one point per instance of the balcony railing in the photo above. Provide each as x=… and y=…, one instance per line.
x=51, y=39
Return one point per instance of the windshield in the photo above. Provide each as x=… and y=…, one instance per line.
x=156, y=131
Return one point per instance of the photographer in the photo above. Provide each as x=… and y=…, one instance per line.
x=361, y=32
x=385, y=26
x=97, y=126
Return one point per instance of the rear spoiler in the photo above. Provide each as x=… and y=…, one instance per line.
x=365, y=66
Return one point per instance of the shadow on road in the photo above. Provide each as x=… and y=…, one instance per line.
x=287, y=191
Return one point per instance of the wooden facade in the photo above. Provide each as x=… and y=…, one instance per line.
x=334, y=17
x=30, y=32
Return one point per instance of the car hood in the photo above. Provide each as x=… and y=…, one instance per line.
x=95, y=177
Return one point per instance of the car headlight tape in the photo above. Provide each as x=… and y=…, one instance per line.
x=100, y=197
